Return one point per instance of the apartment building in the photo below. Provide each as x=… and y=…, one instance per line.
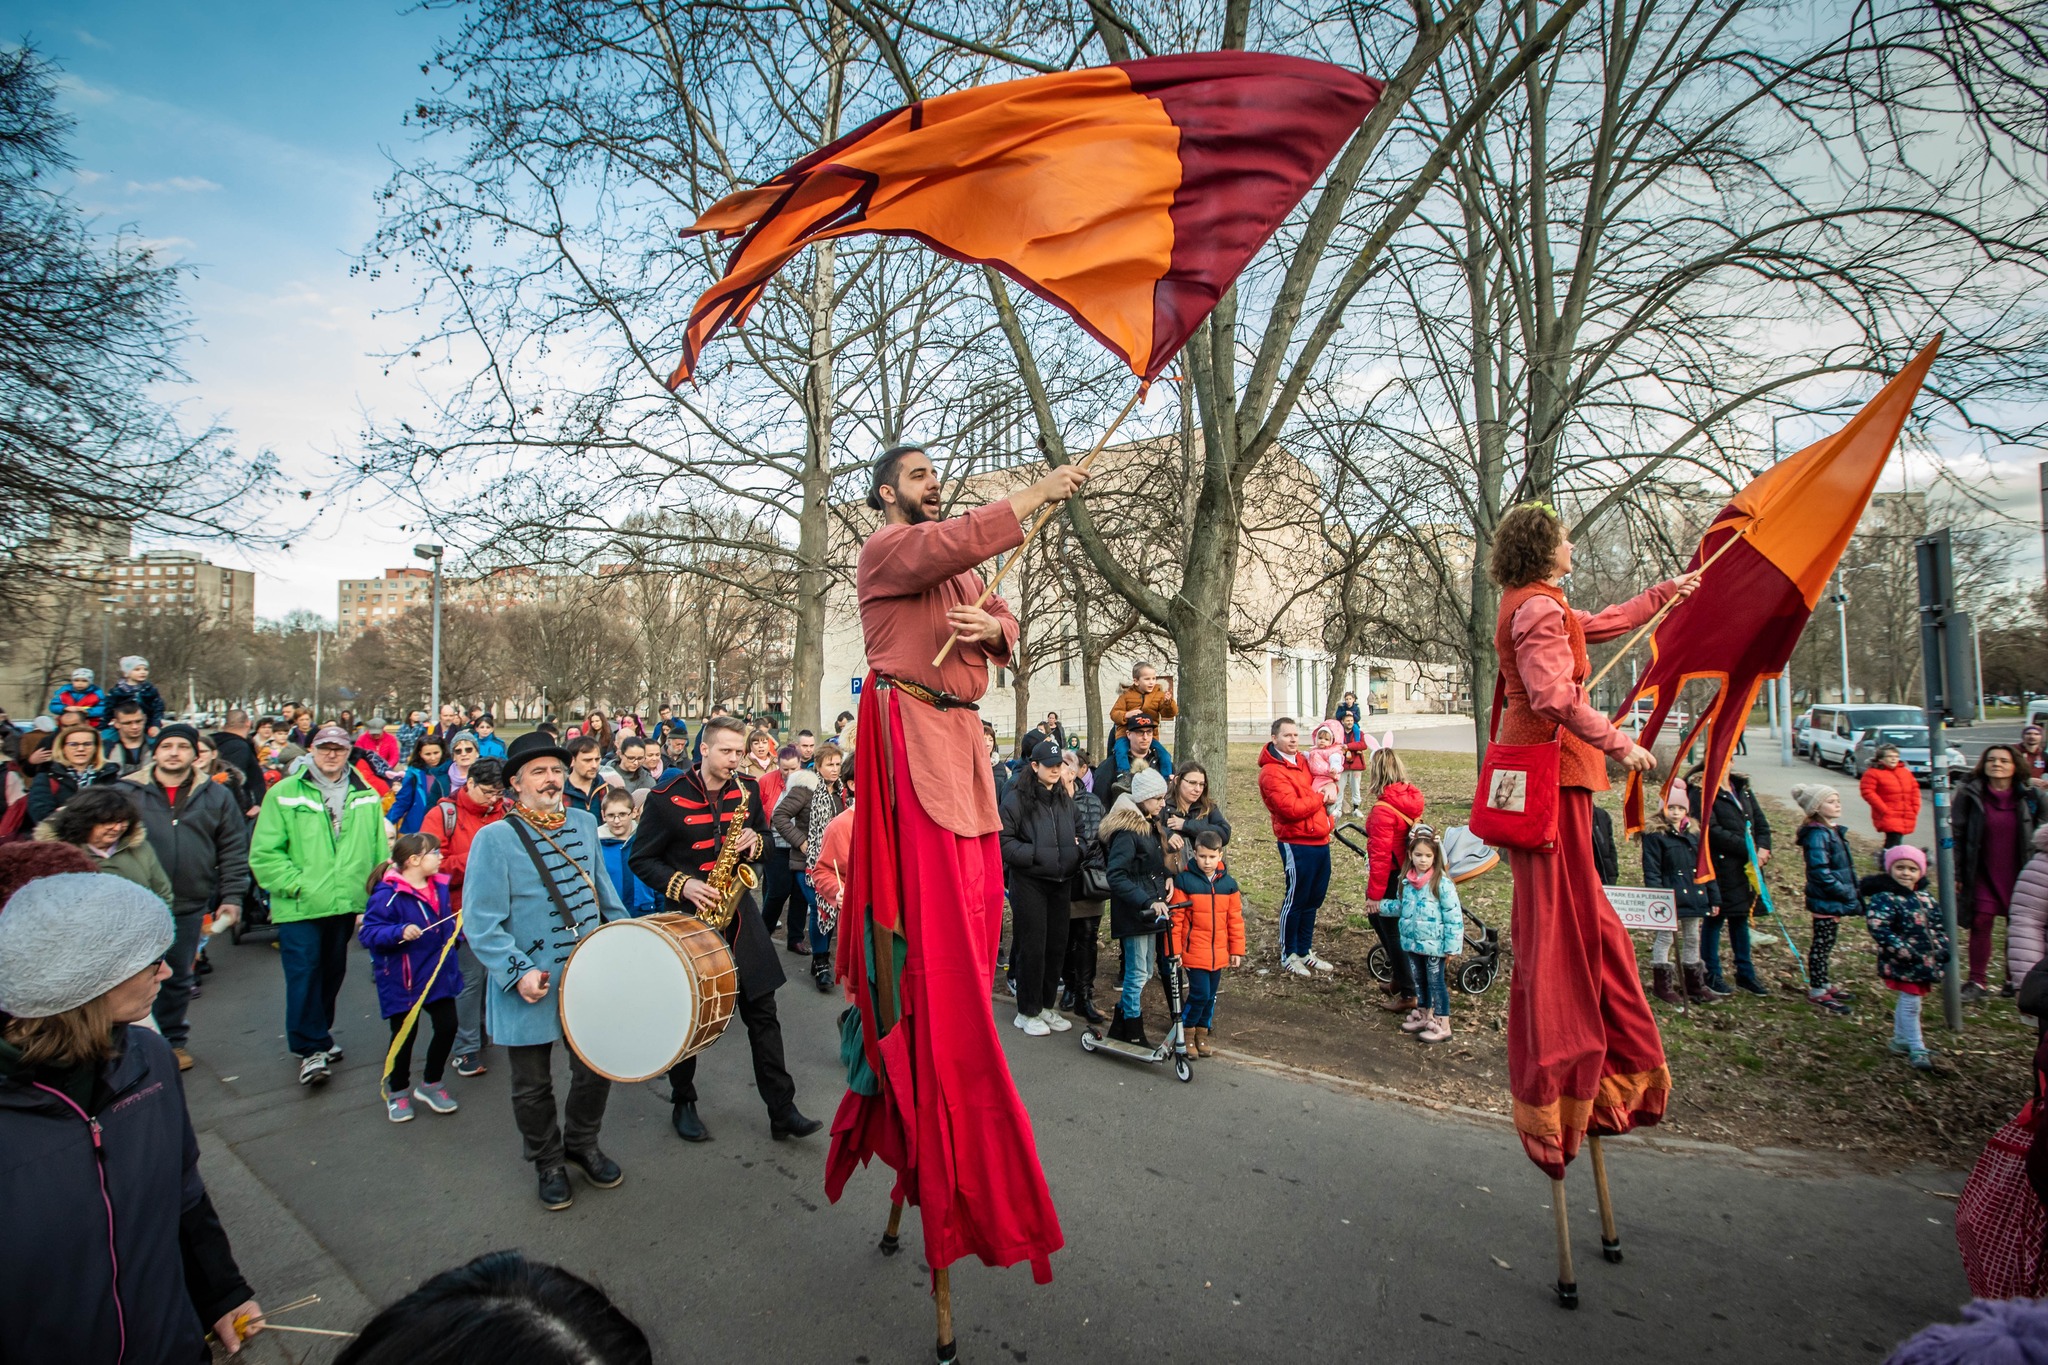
x=177, y=582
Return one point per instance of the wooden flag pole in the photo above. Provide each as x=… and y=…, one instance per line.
x=1043, y=517
x=1664, y=610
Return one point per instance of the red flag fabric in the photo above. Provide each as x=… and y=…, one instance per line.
x=1130, y=196
x=1738, y=628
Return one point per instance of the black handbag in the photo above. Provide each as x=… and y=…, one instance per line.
x=1091, y=883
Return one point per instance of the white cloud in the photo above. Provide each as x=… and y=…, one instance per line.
x=78, y=90
x=165, y=245
x=182, y=184
x=91, y=40
x=85, y=177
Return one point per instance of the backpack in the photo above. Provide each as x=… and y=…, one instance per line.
x=446, y=805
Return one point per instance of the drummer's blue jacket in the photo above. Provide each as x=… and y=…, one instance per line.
x=513, y=926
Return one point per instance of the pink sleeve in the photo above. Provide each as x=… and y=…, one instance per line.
x=902, y=561
x=1543, y=657
x=1621, y=619
x=998, y=608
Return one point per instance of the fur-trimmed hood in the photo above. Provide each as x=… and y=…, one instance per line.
x=1124, y=817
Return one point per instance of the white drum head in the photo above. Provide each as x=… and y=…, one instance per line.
x=628, y=1001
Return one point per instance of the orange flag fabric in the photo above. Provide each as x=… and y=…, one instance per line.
x=1739, y=626
x=1130, y=196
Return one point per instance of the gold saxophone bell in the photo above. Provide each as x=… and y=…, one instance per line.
x=747, y=877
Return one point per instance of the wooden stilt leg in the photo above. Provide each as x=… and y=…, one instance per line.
x=890, y=1244
x=942, y=1291
x=1610, y=1240
x=1567, y=1283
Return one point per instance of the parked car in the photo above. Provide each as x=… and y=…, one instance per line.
x=1639, y=715
x=1912, y=742
x=1835, y=729
x=1802, y=729
x=2037, y=711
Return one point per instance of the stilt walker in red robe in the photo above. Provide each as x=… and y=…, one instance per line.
x=1584, y=1054
x=930, y=1092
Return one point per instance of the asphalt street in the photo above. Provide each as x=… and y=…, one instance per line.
x=1251, y=1215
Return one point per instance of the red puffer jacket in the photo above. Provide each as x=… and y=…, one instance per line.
x=1288, y=789
x=1386, y=837
x=1894, y=797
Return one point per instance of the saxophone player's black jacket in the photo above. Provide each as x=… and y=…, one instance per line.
x=681, y=829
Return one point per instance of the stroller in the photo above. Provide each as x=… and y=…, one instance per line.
x=1173, y=1043
x=1465, y=857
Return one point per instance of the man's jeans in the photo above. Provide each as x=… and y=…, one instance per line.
x=469, y=1004
x=315, y=953
x=175, y=994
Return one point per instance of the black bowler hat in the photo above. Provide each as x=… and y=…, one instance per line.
x=526, y=748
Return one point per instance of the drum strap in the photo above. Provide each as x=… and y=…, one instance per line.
x=548, y=879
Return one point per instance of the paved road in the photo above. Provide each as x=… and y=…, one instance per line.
x=1248, y=1216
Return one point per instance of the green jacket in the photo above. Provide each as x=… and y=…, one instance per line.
x=309, y=870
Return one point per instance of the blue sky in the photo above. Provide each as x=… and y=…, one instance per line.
x=247, y=141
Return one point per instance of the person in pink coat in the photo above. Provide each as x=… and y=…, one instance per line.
x=2026, y=928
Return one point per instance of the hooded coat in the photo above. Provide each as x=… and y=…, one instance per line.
x=133, y=858
x=202, y=841
x=401, y=968
x=1137, y=868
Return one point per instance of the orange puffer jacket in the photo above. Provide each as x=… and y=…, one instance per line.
x=1208, y=920
x=1894, y=797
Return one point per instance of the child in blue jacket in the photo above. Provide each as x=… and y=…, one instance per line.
x=620, y=817
x=1432, y=929
x=1830, y=887
x=407, y=926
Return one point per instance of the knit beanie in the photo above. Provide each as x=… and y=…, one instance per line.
x=69, y=939
x=1905, y=853
x=1810, y=795
x=1147, y=784
x=179, y=730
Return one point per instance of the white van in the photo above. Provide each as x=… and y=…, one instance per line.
x=2037, y=711
x=1835, y=729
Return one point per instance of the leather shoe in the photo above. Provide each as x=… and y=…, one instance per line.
x=554, y=1188
x=598, y=1168
x=688, y=1126
x=1399, y=1004
x=792, y=1124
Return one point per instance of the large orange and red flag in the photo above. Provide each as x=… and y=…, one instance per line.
x=1130, y=196
x=1791, y=525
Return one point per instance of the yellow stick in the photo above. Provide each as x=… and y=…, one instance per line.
x=1665, y=610
x=1043, y=517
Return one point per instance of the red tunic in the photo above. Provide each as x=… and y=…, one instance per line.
x=1584, y=1053
x=925, y=860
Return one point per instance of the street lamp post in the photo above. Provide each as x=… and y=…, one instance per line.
x=434, y=552
x=1842, y=631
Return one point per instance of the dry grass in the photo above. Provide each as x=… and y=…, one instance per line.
x=1750, y=1071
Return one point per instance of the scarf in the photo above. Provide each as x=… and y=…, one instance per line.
x=334, y=793
x=1419, y=880
x=541, y=819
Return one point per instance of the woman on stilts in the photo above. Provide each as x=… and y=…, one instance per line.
x=1584, y=1055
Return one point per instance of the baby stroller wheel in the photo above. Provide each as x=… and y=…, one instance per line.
x=1376, y=962
x=1475, y=976
x=1182, y=1069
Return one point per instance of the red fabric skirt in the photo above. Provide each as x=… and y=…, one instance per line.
x=949, y=1119
x=1584, y=1053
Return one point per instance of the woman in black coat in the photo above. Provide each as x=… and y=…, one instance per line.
x=1993, y=817
x=1040, y=853
x=1735, y=814
x=1088, y=893
x=74, y=765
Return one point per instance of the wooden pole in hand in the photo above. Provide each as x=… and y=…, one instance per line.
x=1043, y=517
x=1664, y=610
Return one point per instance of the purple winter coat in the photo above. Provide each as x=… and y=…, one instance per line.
x=402, y=968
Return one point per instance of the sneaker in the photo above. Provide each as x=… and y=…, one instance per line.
x=313, y=1069
x=1825, y=1003
x=1439, y=1031
x=469, y=1064
x=184, y=1058
x=333, y=1054
x=435, y=1097
x=1297, y=966
x=1900, y=1047
x=1055, y=1021
x=1318, y=963
x=1972, y=993
x=398, y=1106
x=1921, y=1059
x=1752, y=985
x=1718, y=986
x=1032, y=1025
x=1837, y=993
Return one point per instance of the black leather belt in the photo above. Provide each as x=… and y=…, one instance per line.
x=944, y=701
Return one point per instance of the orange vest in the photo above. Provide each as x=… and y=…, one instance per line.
x=1579, y=763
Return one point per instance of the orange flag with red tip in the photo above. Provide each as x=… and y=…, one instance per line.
x=1130, y=196
x=1739, y=626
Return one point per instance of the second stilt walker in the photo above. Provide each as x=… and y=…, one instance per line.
x=929, y=1090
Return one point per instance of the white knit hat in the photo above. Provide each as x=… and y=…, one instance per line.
x=73, y=937
x=1147, y=784
x=1808, y=796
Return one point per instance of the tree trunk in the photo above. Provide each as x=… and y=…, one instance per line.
x=1020, y=689
x=1199, y=616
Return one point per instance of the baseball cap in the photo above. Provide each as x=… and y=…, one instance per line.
x=333, y=734
x=1139, y=720
x=1046, y=754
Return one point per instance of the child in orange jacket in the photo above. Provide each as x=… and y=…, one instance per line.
x=1208, y=929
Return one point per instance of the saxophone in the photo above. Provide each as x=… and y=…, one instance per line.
x=730, y=877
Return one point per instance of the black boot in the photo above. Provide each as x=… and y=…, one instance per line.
x=688, y=1126
x=1119, y=1027
x=791, y=1123
x=1084, y=981
x=821, y=971
x=554, y=1188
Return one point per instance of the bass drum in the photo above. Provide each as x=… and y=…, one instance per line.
x=640, y=995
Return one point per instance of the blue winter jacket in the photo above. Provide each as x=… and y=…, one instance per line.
x=143, y=694
x=1830, y=869
x=421, y=790
x=638, y=895
x=490, y=746
x=399, y=968
x=1432, y=923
